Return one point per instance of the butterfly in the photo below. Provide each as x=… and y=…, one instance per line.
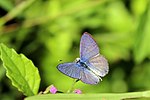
x=91, y=65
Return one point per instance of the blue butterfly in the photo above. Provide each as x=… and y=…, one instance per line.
x=91, y=65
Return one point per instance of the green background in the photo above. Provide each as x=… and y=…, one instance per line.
x=48, y=32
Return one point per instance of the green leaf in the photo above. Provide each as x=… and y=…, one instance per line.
x=6, y=4
x=142, y=48
x=100, y=96
x=20, y=70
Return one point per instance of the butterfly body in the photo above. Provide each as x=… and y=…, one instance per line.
x=90, y=67
x=82, y=64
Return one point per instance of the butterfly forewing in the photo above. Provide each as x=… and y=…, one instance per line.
x=99, y=65
x=88, y=47
x=70, y=69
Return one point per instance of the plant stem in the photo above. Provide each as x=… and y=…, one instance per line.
x=143, y=95
x=16, y=11
x=72, y=86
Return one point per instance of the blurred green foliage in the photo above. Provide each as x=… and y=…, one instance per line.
x=48, y=31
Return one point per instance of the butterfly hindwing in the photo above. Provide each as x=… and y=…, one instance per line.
x=88, y=77
x=76, y=71
x=99, y=65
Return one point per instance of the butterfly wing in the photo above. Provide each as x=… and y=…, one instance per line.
x=99, y=65
x=89, y=53
x=88, y=47
x=89, y=77
x=70, y=69
x=75, y=70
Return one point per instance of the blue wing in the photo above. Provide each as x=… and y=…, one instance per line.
x=99, y=65
x=70, y=69
x=75, y=70
x=89, y=77
x=88, y=47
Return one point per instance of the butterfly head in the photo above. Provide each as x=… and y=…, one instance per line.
x=77, y=60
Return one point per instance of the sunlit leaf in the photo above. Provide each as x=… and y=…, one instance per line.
x=20, y=70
